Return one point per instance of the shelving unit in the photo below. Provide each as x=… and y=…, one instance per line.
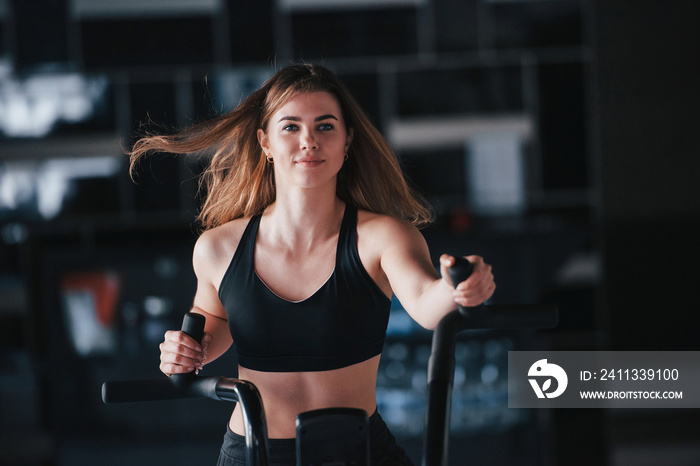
x=476, y=59
x=414, y=64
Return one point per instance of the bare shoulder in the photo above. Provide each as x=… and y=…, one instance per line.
x=215, y=247
x=396, y=252
x=386, y=230
x=383, y=240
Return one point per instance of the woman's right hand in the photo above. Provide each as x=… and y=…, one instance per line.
x=180, y=353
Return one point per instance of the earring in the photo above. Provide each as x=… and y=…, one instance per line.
x=346, y=157
x=269, y=159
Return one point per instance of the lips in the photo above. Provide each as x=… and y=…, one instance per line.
x=309, y=162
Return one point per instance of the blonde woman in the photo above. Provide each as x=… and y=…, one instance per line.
x=309, y=228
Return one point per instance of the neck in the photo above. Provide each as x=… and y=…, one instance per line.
x=304, y=216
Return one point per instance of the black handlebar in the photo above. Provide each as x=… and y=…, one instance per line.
x=189, y=385
x=460, y=270
x=192, y=325
x=441, y=365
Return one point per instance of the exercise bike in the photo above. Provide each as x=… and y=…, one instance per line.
x=340, y=436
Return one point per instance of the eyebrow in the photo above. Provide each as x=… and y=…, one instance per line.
x=321, y=118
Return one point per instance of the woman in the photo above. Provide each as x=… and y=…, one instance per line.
x=310, y=228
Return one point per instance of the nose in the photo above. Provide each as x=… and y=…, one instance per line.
x=308, y=141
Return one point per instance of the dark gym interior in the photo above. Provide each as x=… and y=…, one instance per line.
x=555, y=138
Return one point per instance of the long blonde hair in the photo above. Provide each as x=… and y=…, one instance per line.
x=238, y=180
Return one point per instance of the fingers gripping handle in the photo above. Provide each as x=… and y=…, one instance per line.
x=460, y=270
x=192, y=325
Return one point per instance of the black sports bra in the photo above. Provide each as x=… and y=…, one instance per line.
x=343, y=323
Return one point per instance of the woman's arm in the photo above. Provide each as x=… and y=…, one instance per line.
x=179, y=352
x=405, y=260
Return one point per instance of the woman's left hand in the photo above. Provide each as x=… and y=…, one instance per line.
x=474, y=290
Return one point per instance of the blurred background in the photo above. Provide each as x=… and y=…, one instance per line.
x=556, y=138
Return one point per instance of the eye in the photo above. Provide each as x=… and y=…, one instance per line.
x=326, y=126
x=290, y=128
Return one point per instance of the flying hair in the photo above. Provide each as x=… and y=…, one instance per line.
x=238, y=182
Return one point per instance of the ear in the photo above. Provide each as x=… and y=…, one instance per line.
x=348, y=140
x=262, y=139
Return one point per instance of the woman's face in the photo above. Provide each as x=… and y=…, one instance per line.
x=307, y=139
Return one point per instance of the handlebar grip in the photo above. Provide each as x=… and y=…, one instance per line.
x=192, y=325
x=460, y=270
